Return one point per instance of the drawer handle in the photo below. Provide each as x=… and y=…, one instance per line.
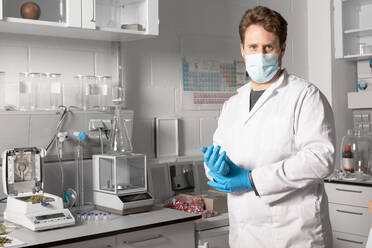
x=349, y=190
x=348, y=212
x=128, y=242
x=351, y=241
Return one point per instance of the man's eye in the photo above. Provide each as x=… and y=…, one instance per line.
x=269, y=48
x=253, y=47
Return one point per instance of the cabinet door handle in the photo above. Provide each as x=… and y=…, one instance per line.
x=349, y=190
x=94, y=11
x=348, y=212
x=128, y=242
x=351, y=241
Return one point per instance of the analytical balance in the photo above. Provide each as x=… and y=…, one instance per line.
x=27, y=204
x=120, y=183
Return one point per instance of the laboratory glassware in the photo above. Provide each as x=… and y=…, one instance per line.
x=40, y=90
x=361, y=148
x=345, y=163
x=119, y=138
x=79, y=175
x=56, y=90
x=90, y=92
x=26, y=92
x=2, y=90
x=104, y=83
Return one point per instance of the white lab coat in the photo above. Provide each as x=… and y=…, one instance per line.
x=287, y=140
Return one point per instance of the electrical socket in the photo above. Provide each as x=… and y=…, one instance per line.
x=96, y=124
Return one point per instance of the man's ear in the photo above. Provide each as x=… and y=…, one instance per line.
x=242, y=51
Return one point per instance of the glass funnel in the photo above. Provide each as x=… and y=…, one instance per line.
x=119, y=138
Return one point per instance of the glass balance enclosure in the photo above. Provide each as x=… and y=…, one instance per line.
x=120, y=174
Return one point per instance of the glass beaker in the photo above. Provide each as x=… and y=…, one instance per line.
x=40, y=90
x=2, y=90
x=90, y=92
x=104, y=83
x=119, y=138
x=26, y=92
x=56, y=91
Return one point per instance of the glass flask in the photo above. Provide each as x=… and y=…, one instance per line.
x=104, y=83
x=2, y=90
x=56, y=92
x=119, y=138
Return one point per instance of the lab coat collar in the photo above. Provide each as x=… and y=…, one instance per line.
x=269, y=92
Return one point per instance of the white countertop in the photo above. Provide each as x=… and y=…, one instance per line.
x=116, y=225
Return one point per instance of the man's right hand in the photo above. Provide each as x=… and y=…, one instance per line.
x=216, y=161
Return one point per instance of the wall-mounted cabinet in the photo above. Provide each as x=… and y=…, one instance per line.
x=113, y=20
x=353, y=29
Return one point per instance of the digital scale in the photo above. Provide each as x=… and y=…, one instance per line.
x=120, y=183
x=27, y=205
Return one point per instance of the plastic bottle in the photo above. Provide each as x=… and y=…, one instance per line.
x=347, y=140
x=348, y=159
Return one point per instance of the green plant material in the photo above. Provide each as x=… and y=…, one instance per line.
x=37, y=198
x=4, y=240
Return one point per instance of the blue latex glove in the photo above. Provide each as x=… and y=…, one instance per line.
x=215, y=161
x=237, y=180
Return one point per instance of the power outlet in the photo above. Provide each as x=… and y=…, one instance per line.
x=96, y=124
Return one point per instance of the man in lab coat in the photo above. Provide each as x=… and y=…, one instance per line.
x=273, y=147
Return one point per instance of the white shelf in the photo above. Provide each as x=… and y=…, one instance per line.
x=37, y=22
x=358, y=56
x=43, y=28
x=360, y=32
x=359, y=100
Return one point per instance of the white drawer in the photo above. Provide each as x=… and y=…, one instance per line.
x=355, y=220
x=180, y=235
x=348, y=194
x=345, y=240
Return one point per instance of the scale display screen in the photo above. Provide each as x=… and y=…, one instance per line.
x=135, y=197
x=49, y=216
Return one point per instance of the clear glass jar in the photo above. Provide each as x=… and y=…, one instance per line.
x=104, y=83
x=26, y=98
x=2, y=90
x=40, y=90
x=90, y=92
x=56, y=90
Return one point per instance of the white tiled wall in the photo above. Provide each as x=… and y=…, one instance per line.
x=196, y=28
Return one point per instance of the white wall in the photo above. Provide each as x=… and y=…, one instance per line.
x=206, y=28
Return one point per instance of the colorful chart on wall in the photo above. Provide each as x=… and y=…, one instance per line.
x=208, y=83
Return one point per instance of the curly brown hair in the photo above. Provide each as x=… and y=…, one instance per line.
x=270, y=20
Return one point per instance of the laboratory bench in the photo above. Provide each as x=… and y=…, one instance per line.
x=160, y=227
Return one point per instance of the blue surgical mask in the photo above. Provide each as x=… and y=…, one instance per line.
x=261, y=67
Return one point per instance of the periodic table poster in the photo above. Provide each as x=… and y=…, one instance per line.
x=208, y=83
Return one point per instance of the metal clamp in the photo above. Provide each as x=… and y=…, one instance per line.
x=128, y=242
x=349, y=190
x=348, y=212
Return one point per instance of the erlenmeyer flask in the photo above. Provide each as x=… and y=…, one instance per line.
x=119, y=140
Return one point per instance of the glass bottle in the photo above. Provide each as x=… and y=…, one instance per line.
x=347, y=140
